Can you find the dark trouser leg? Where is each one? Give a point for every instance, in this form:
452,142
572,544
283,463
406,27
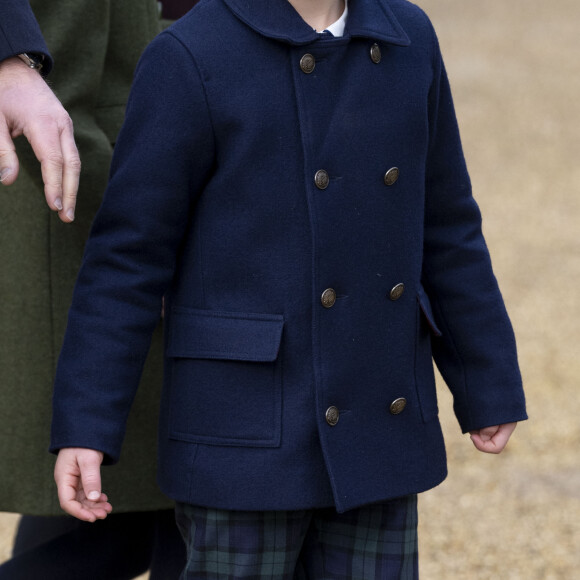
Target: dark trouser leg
117,548
377,542
228,545
169,554
36,530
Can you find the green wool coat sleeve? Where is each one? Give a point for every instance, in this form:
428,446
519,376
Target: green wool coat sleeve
95,46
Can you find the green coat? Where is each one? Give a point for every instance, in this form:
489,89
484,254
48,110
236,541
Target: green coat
96,46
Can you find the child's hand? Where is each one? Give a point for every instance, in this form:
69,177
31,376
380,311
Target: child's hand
78,477
492,439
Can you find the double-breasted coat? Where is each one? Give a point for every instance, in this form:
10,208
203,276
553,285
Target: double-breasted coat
95,46
302,202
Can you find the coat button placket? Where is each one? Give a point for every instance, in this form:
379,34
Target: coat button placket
332,415
321,179
328,298
397,291
307,63
375,53
391,176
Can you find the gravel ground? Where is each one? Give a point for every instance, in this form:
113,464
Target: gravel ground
514,68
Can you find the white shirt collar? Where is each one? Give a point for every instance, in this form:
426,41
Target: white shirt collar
337,28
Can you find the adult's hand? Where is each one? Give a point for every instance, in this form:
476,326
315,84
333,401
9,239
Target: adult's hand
78,478
28,107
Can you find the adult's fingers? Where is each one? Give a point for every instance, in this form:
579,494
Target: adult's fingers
8,158
71,172
43,134
29,107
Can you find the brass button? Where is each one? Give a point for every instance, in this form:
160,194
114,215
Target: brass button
376,53
391,176
328,298
321,179
307,63
332,416
398,406
397,292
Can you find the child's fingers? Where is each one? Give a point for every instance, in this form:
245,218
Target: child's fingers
488,433
77,475
492,439
89,462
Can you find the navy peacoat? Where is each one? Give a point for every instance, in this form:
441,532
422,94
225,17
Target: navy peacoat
303,204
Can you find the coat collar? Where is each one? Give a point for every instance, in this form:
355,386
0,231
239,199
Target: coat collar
277,19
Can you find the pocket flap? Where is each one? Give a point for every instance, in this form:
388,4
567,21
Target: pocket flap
425,305
224,335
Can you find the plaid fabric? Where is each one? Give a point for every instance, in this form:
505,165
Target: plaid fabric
377,542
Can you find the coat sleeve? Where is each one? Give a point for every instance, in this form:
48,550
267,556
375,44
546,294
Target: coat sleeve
19,32
162,158
477,353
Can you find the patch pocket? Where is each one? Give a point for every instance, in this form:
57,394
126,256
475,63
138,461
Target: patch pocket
225,377
424,373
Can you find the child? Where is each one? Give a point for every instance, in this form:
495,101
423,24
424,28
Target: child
300,199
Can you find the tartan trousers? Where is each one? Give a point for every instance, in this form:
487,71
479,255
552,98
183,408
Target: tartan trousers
375,542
